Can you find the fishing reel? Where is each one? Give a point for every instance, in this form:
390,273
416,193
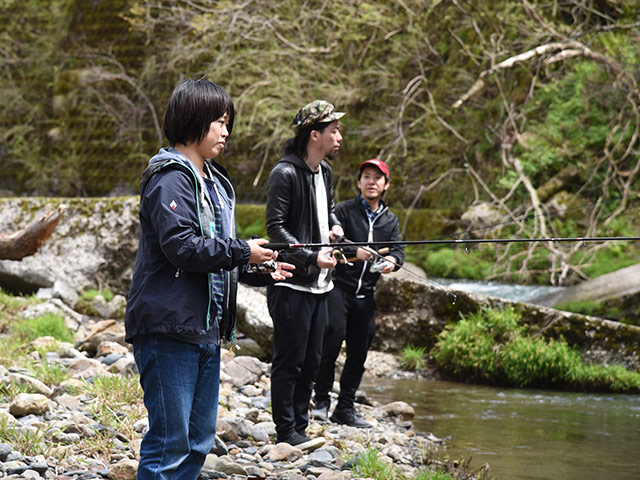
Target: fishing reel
269,266
340,257
378,265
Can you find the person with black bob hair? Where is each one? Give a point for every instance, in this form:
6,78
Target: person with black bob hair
182,299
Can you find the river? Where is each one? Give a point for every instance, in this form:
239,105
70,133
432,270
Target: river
524,434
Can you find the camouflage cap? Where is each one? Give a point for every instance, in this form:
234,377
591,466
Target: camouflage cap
315,112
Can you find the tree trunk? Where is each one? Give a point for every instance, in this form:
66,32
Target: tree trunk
25,242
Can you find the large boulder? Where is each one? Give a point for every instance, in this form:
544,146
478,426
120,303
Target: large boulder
94,244
254,319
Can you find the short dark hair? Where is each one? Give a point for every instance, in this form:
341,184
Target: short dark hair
298,144
193,105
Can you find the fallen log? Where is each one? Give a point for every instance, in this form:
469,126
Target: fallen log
25,242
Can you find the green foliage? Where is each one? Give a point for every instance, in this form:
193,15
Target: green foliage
466,348
453,263
413,358
90,294
429,475
85,301
587,307
251,221
46,325
85,124
368,464
25,440
490,346
117,401
10,389
51,374
10,305
10,351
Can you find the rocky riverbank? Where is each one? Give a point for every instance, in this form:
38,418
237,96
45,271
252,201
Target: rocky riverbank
54,430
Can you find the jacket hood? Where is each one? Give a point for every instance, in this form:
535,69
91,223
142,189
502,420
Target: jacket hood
163,156
296,162
170,153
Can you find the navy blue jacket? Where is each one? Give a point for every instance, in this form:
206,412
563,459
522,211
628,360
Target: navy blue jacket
170,290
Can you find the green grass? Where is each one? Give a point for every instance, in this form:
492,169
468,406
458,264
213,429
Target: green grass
413,358
491,347
48,325
26,441
429,475
51,374
453,263
8,391
84,304
117,401
368,464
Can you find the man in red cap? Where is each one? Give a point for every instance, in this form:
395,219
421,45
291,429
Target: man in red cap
352,307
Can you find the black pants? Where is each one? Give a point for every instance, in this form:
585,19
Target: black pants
353,319
299,322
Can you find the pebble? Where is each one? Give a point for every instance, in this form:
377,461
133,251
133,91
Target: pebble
244,446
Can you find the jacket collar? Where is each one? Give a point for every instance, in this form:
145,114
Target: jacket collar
299,163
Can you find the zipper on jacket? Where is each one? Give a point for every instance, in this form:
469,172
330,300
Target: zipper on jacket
198,203
226,305
369,239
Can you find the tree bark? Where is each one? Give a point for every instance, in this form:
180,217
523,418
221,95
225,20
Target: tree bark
25,242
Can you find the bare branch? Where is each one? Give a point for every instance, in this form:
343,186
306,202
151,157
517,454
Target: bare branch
25,242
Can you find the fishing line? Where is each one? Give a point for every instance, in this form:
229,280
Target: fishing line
468,241
396,264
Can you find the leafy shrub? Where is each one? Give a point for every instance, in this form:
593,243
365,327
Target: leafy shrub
466,348
413,358
490,346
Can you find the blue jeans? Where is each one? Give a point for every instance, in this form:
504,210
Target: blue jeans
181,386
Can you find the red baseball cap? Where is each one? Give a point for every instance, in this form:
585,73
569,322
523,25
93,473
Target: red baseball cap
374,162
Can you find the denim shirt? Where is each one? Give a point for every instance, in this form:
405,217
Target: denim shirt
367,208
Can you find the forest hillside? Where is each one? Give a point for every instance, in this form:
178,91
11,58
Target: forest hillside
528,110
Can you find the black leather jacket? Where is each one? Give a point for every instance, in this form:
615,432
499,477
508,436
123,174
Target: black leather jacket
292,215
358,279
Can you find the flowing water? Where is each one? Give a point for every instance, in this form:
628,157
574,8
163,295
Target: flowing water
524,434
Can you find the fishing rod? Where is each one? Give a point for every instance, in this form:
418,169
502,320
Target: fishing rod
455,241
379,255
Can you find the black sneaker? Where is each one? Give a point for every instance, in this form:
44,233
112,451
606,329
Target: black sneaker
321,411
294,439
349,418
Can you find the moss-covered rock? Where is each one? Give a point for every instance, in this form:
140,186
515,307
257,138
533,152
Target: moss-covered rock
419,316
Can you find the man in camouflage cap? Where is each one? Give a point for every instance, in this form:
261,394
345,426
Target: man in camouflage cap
318,111
300,209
